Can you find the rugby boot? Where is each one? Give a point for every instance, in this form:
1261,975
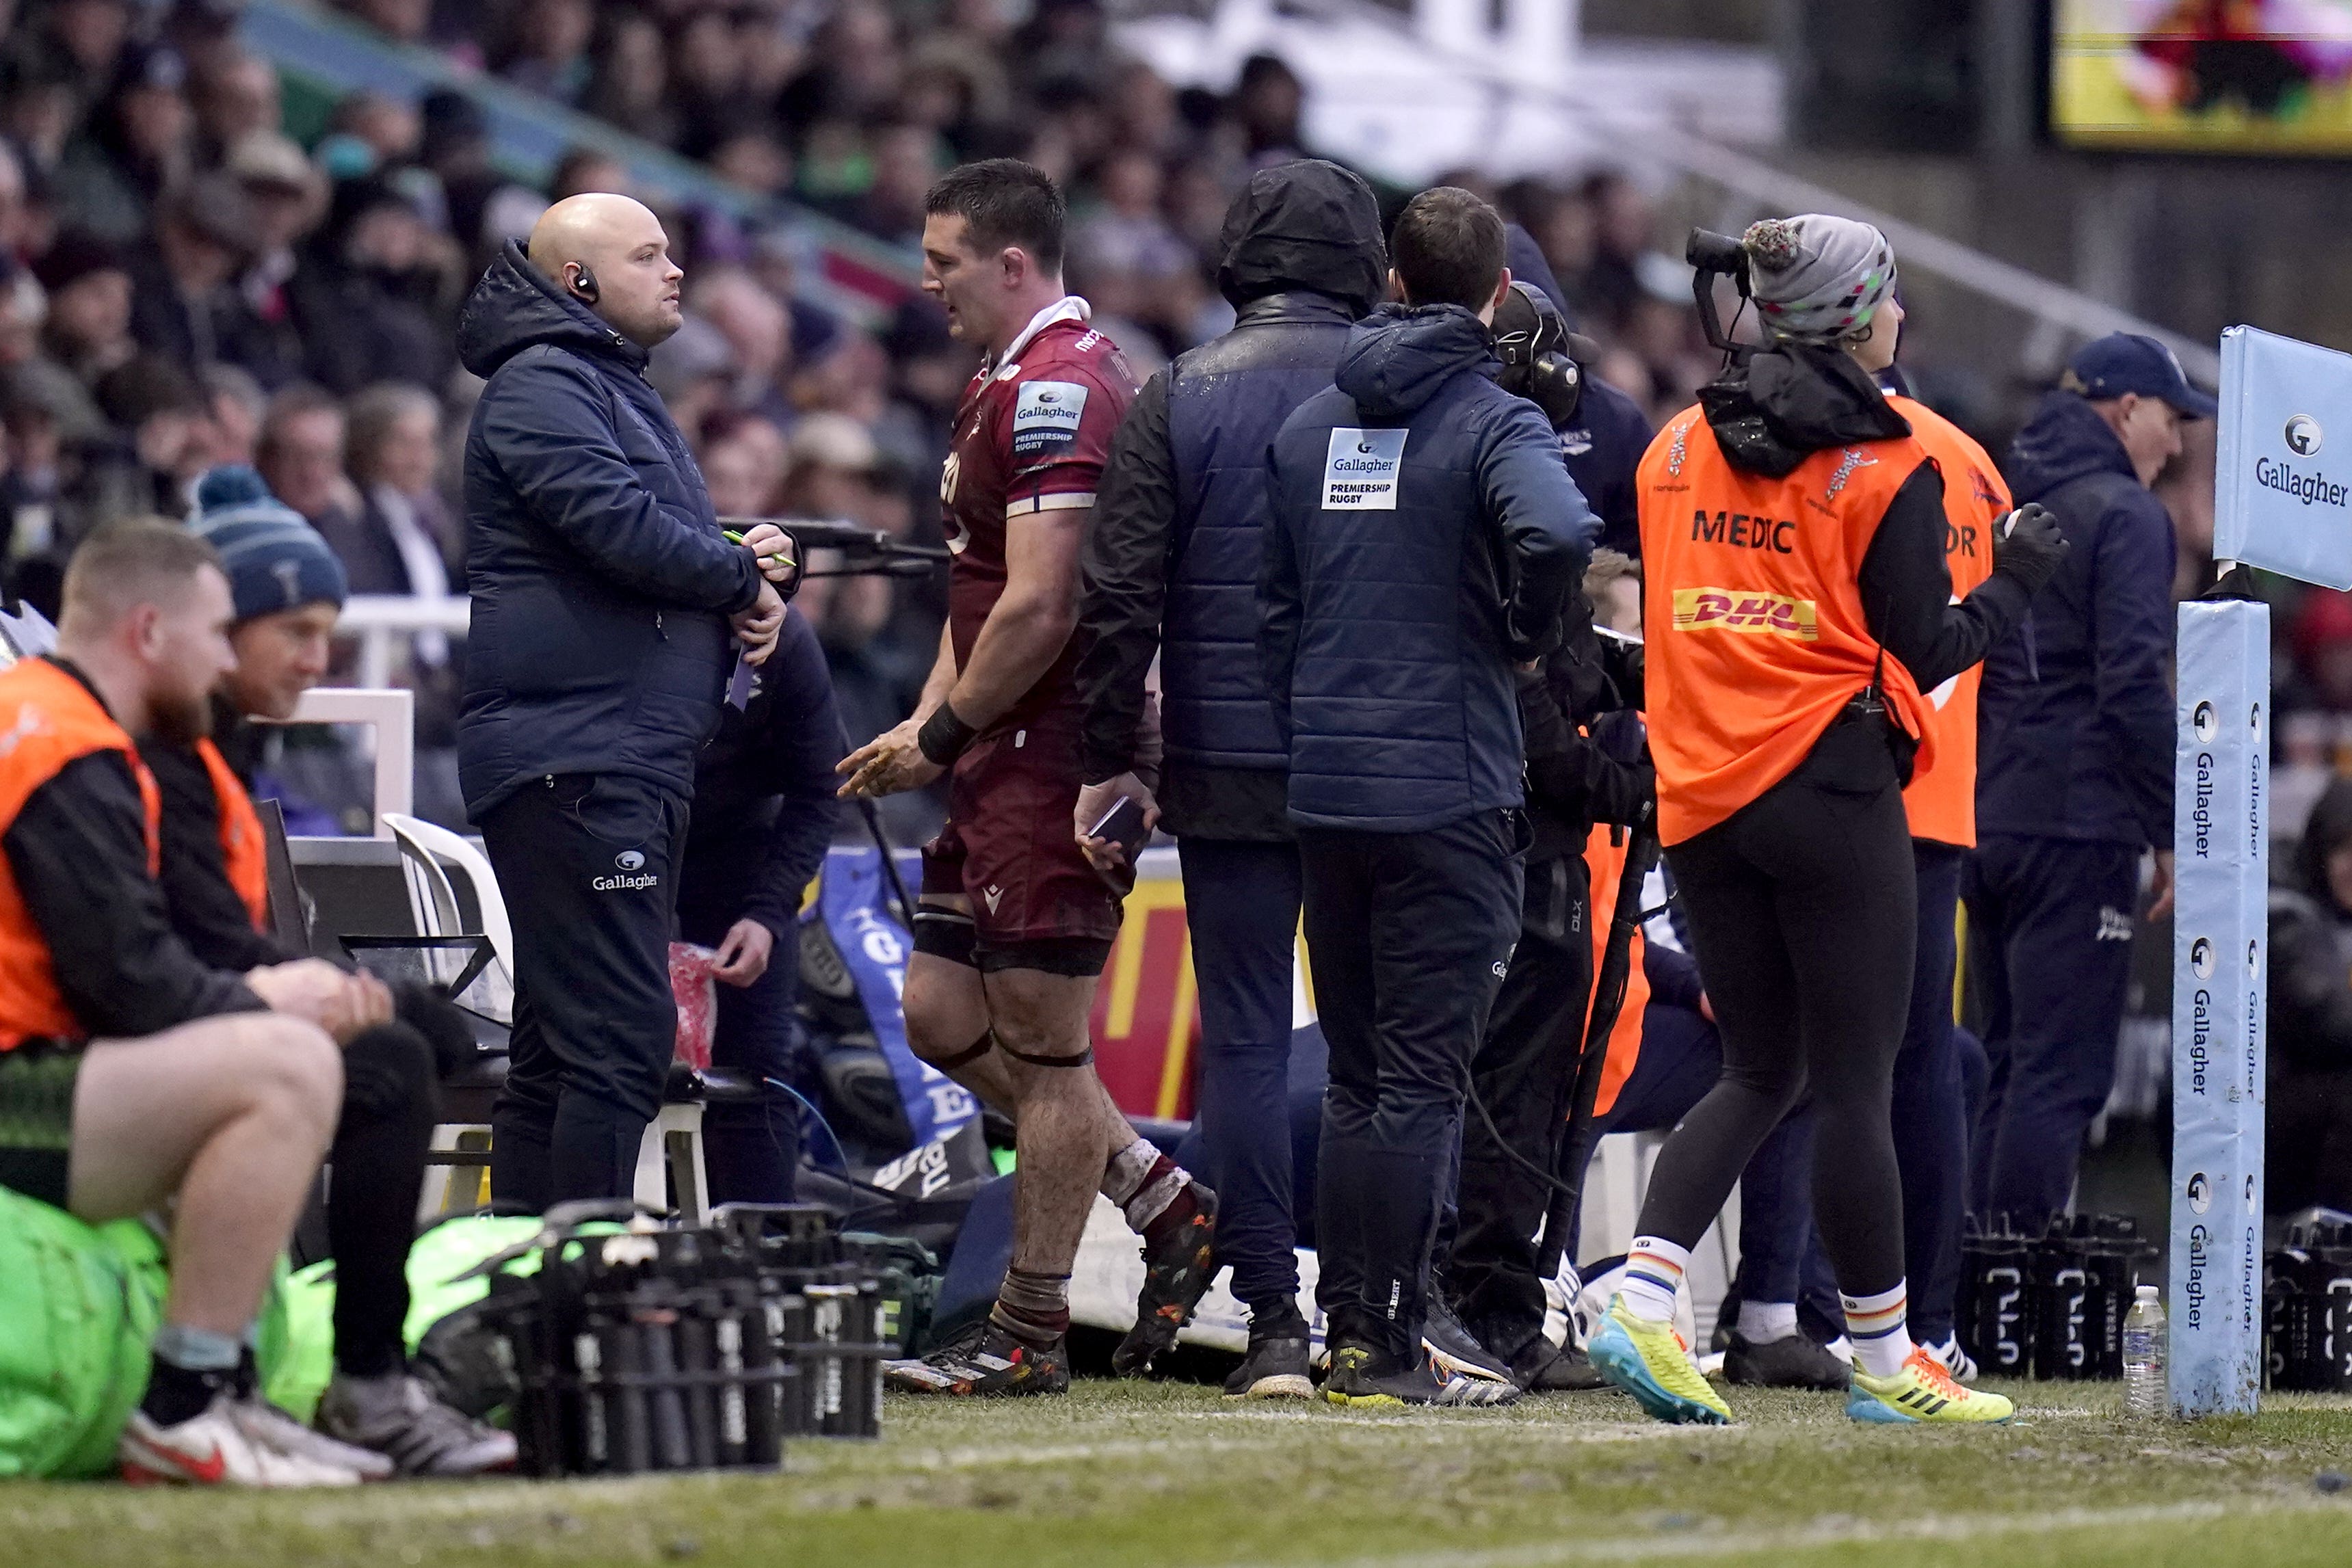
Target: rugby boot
1793,1361
396,1416
1448,1342
984,1359
1650,1361
1540,1366
1365,1378
1923,1392
1179,1263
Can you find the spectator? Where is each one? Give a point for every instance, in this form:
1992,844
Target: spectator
744,463
79,44
584,171
361,295
151,465
758,331
235,97
550,51
88,326
403,539
300,454
182,305
135,145
236,404
630,85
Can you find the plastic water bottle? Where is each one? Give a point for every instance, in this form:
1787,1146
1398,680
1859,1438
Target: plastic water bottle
2144,1347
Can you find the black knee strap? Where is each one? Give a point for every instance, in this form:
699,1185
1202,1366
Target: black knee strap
973,1052
1083,1059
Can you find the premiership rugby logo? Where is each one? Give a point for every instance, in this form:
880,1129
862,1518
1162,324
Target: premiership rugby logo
1724,610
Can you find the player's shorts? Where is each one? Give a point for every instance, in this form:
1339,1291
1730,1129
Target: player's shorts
1038,902
37,1095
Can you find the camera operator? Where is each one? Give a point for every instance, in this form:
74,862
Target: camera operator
1425,539
604,595
1526,1065
763,815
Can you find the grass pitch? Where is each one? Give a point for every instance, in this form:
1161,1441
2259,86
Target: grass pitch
1125,1474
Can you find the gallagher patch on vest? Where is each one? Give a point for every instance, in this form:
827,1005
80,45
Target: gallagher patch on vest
1725,610
1359,469
1741,531
1045,416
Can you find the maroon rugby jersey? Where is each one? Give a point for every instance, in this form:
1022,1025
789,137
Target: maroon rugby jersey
1031,436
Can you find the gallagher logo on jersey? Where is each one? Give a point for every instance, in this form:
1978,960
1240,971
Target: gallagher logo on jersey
1045,416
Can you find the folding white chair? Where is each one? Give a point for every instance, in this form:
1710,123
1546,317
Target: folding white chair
673,1142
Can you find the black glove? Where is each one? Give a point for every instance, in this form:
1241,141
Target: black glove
2029,545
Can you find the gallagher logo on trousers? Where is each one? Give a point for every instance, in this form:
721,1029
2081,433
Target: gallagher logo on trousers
628,861
1741,610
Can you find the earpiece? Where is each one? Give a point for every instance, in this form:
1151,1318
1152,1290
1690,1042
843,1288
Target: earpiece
584,285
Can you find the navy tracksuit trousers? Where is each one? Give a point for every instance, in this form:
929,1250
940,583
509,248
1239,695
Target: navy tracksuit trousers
2051,921
1241,904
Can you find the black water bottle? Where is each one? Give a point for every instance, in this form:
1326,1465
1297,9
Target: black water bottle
1996,1324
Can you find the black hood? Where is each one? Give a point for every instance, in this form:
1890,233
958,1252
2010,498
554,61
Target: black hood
1777,408
515,306
1396,358
1305,224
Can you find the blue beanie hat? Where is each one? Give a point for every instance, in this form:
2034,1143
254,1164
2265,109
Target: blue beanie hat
275,560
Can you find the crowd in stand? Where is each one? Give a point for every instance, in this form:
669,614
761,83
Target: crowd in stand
182,284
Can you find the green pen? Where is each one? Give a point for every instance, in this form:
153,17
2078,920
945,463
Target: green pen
735,538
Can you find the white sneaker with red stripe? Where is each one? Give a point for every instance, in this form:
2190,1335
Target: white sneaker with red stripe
217,1448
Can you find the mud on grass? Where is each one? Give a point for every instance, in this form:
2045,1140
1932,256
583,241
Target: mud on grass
1126,1476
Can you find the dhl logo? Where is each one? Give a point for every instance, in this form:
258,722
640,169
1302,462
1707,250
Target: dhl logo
1724,610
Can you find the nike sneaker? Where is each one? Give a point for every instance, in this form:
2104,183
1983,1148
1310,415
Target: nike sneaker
1179,1263
984,1359
1923,1392
1650,1361
396,1421
220,1447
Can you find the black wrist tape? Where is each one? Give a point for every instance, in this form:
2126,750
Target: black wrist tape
943,737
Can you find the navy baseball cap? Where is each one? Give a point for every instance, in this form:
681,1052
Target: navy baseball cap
2123,362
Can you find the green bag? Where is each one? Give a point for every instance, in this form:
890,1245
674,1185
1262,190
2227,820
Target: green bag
449,1347
78,1306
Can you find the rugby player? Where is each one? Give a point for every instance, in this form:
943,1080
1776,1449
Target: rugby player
1013,923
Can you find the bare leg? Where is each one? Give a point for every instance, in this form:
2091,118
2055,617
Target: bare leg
1059,1116
947,1009
947,1012
233,1113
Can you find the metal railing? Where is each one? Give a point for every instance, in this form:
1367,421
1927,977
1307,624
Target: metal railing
375,619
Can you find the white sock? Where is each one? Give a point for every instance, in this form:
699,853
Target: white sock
1654,1271
1881,1336
1127,1170
1761,1322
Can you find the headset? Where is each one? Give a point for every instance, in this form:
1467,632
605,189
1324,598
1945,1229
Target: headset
1535,344
584,285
